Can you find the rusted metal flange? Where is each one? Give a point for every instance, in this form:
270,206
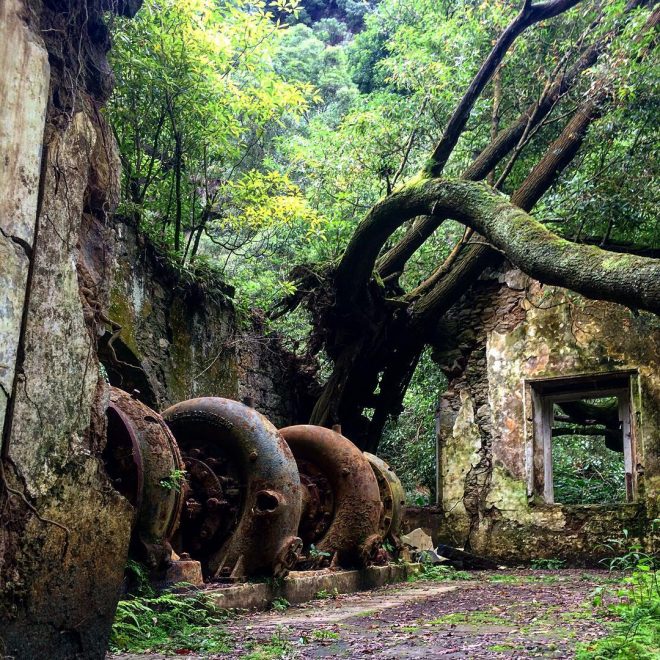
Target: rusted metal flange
143,461
392,496
244,498
341,499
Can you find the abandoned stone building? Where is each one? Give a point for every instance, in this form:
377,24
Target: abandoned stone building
514,353
80,295
511,350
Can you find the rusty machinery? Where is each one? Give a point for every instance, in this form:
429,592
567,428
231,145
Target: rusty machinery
392,496
247,496
243,498
143,462
341,499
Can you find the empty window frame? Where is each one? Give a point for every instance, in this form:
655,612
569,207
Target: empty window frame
583,450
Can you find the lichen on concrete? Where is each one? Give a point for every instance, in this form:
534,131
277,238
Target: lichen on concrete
63,529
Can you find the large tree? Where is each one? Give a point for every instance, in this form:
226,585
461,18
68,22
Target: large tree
370,326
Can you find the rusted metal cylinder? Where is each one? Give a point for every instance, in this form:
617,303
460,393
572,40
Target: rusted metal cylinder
392,496
144,463
244,497
342,504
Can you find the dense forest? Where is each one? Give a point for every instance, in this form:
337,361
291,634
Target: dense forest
316,156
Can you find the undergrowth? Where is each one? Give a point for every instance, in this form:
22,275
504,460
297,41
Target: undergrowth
278,646
635,606
168,623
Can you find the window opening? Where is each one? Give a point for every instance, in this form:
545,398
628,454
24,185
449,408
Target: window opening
587,452
583,441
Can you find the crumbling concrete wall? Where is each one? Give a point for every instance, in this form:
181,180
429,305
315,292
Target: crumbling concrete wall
506,332
176,339
63,529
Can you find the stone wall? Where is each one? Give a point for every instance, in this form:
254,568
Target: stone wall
63,529
507,332
174,339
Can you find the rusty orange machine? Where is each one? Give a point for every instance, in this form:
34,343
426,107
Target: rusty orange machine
212,480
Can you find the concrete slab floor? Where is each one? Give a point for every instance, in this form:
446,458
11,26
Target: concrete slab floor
498,614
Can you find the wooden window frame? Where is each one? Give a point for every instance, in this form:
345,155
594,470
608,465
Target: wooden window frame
542,394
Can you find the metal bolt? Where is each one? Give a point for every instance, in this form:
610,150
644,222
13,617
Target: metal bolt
213,503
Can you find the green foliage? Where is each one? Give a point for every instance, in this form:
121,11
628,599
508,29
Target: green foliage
409,442
277,647
315,553
168,623
585,471
174,480
325,594
331,31
324,635
249,145
196,98
438,573
138,579
635,606
280,604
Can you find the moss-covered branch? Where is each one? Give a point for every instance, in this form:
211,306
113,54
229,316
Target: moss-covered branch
596,273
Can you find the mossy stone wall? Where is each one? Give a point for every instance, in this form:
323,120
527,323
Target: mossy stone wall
505,332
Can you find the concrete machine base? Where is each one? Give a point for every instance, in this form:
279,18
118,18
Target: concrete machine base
302,586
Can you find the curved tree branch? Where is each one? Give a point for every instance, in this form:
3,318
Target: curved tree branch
623,278
510,138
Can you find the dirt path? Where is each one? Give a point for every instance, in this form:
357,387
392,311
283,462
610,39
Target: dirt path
499,614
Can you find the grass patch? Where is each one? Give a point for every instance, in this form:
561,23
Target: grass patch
472,617
523,579
505,648
438,573
324,635
277,647
506,579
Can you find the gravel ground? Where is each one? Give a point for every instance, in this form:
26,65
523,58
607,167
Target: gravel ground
497,614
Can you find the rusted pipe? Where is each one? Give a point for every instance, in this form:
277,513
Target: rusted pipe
342,504
244,500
